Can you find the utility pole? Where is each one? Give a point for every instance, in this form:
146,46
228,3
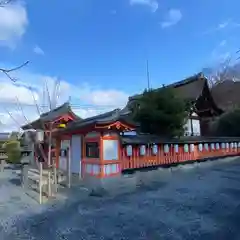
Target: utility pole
148,77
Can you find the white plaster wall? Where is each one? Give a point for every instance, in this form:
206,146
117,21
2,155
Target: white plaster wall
76,152
188,128
110,149
63,160
196,127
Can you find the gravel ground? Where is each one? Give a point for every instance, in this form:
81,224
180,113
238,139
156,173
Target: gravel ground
196,202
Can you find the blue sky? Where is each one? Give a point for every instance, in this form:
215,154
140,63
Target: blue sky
99,48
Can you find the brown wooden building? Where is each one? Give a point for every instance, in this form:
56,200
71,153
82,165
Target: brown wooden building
204,108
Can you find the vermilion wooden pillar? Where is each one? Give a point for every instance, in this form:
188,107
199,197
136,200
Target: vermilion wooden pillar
57,151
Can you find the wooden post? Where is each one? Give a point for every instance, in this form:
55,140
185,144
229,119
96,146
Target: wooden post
40,184
49,159
55,176
69,166
2,164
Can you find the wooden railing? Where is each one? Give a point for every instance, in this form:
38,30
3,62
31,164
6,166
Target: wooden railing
136,156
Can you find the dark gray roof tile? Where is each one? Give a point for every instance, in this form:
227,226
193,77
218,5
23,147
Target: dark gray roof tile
51,115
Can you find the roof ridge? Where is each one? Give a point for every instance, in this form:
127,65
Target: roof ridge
180,83
103,115
187,80
55,109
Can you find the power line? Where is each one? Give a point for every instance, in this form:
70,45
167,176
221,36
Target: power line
74,106
45,108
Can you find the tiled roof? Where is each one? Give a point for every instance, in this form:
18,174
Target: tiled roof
105,118
51,115
151,139
190,87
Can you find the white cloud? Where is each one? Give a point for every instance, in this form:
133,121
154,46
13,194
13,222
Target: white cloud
38,50
86,100
153,4
220,52
227,24
13,23
223,43
11,92
172,18
223,24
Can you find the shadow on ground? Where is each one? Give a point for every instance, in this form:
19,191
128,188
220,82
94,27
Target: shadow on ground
15,181
194,203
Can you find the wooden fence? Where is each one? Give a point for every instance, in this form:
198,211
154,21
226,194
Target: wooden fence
140,156
136,153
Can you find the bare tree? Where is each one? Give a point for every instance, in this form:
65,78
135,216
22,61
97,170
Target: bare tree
3,3
228,69
52,99
8,72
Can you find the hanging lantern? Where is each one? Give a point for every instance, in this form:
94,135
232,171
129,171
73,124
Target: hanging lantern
62,125
39,136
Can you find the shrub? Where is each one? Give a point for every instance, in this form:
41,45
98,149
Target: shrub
228,124
13,151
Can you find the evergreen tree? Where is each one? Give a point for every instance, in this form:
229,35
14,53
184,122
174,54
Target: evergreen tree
161,112
227,125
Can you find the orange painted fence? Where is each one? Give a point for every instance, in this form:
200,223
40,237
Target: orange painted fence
140,156
136,156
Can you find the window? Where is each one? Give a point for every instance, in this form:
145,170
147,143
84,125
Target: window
92,150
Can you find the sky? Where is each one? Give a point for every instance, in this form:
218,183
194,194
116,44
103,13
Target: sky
99,49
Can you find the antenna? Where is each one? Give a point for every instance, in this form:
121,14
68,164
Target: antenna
148,77
48,96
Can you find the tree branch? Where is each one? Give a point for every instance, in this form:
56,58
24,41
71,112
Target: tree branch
8,71
3,3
